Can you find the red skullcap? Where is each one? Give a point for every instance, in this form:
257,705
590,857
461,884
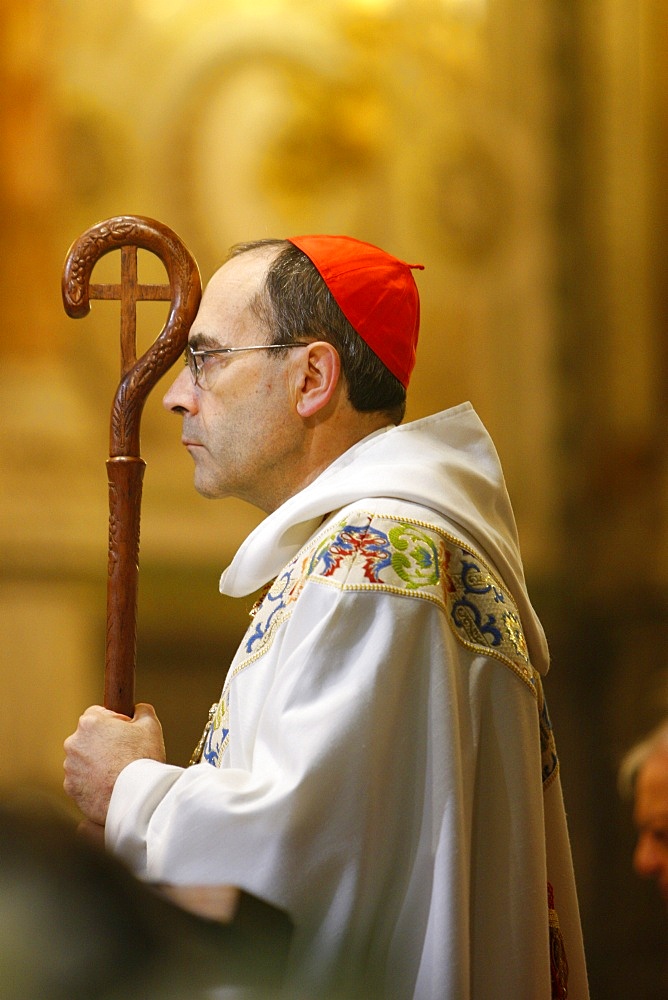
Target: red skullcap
375,292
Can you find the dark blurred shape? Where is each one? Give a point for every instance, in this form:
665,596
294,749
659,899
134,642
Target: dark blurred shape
75,924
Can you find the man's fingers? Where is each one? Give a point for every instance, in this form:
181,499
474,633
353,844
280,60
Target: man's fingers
104,743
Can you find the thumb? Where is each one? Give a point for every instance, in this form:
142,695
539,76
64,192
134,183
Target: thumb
144,712
149,733
145,718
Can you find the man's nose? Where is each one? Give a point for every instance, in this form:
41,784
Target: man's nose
181,397
646,859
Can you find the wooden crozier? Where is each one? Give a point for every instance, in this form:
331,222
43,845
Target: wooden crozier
255,949
125,467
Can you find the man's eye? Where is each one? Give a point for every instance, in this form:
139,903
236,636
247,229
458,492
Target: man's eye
219,358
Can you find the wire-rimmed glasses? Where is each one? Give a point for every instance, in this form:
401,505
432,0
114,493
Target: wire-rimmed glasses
196,359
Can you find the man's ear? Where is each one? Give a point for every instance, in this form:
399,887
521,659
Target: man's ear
319,374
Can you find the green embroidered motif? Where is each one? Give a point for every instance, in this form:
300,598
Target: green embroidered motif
409,558
373,552
415,556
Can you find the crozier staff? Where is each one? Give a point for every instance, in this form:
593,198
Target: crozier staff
381,763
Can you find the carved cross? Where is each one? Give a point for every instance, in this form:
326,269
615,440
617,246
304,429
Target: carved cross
129,292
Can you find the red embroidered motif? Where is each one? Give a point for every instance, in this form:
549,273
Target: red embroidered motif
365,542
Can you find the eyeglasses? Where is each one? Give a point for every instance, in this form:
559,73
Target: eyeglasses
196,360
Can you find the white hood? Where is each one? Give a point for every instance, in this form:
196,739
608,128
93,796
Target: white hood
446,462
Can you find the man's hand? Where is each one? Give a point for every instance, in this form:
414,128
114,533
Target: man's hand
102,746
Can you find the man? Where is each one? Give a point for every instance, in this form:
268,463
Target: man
644,776
380,764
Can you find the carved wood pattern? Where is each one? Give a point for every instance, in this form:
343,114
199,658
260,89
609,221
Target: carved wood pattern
125,491
125,466
185,292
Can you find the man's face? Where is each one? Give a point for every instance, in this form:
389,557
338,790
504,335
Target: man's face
240,429
651,818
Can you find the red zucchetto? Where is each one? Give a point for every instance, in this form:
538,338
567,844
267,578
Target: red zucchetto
375,291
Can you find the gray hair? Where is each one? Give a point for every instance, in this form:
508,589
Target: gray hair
635,759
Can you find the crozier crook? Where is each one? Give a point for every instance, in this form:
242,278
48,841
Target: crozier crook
125,467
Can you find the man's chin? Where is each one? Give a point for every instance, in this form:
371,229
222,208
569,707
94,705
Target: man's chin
208,493
210,490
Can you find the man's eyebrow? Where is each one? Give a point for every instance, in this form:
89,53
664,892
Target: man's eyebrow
203,341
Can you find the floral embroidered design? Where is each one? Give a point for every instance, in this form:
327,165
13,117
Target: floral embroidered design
404,557
359,542
484,614
275,606
415,557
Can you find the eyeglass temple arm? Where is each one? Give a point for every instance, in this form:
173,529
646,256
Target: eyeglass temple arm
125,467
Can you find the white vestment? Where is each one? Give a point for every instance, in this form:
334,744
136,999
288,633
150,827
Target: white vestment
381,764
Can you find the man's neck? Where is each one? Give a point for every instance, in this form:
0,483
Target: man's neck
321,449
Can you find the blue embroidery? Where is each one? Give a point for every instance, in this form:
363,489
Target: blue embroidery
476,582
411,558
547,744
275,603
216,740
211,754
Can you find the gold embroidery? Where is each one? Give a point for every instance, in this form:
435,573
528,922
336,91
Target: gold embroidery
196,756
410,558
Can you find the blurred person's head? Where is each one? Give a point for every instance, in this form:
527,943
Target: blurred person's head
644,777
74,923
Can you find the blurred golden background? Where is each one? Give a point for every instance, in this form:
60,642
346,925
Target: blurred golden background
517,149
